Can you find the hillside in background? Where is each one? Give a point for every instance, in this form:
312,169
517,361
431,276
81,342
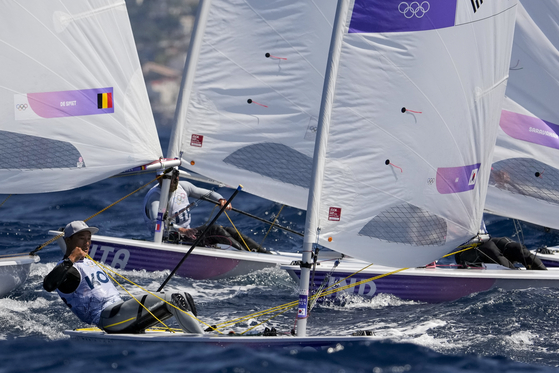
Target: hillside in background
162,31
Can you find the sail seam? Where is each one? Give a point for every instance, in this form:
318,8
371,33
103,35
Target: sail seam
483,93
67,19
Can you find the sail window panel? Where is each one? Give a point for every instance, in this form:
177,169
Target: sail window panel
528,177
25,152
276,161
407,224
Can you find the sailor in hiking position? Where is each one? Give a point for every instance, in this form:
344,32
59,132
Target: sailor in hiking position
503,251
88,292
179,210
500,250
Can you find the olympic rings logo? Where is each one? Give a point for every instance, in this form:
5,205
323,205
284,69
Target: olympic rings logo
21,107
414,9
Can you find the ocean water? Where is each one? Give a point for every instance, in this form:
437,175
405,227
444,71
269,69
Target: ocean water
495,331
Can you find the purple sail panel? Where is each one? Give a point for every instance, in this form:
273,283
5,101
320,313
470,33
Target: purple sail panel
457,179
72,103
530,129
371,16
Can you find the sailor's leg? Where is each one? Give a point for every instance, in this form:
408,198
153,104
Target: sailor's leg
519,253
184,311
218,234
490,253
252,245
533,262
131,317
468,257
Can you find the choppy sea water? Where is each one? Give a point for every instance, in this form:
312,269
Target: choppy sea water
495,331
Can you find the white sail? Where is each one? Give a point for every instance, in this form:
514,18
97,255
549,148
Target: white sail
250,114
524,181
74,107
402,187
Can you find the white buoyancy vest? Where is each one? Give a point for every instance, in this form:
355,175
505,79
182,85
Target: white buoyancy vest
178,200
94,293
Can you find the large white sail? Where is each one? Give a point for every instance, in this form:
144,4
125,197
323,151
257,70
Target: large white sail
250,114
74,107
415,110
524,181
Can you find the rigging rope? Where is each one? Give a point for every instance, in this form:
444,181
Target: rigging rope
236,230
40,247
123,198
518,231
277,309
102,267
5,200
12,255
285,307
105,268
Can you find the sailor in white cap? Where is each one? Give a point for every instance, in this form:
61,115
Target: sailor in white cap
90,294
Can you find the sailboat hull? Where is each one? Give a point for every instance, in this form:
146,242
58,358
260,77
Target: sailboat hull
550,260
550,263
14,270
431,285
150,336
202,264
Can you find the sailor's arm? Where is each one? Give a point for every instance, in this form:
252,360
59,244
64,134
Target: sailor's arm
152,209
58,274
64,276
196,192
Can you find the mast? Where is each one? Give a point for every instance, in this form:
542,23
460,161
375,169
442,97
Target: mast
182,106
188,76
163,201
311,223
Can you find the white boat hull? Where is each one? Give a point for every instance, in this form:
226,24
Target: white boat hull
150,336
550,260
14,270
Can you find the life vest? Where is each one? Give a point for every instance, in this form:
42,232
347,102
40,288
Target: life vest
178,200
94,293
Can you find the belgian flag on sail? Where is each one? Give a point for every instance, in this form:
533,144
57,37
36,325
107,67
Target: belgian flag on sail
105,100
